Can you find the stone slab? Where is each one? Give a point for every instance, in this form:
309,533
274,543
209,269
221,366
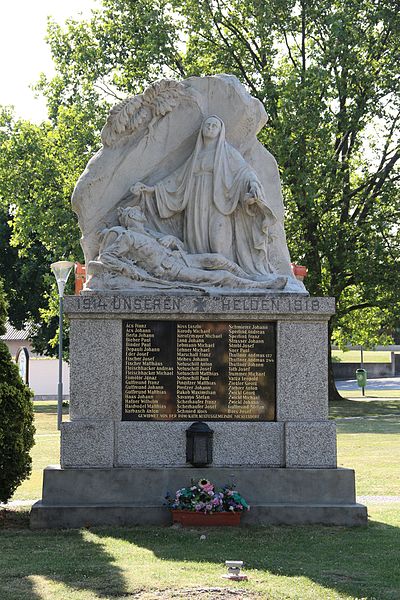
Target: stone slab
246,443
96,376
255,444
67,517
302,374
240,305
96,373
348,515
147,486
90,497
310,445
87,443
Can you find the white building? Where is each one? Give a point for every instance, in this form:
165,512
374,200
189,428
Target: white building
42,371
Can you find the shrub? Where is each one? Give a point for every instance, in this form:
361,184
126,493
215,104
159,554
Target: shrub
16,420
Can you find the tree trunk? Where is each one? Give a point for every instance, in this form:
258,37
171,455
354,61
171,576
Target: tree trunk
333,394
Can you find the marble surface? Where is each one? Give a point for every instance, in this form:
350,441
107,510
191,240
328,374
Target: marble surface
227,306
95,372
87,443
310,445
302,383
249,443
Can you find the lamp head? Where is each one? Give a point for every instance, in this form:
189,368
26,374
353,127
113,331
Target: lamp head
61,270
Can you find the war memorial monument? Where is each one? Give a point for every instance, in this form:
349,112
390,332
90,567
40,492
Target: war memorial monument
194,350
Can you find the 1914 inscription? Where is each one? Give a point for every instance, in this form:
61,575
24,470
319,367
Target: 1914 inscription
199,370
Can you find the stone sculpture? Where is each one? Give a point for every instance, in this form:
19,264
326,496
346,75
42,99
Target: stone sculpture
132,252
206,181
222,201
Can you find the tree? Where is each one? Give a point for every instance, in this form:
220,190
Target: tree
16,419
326,72
39,165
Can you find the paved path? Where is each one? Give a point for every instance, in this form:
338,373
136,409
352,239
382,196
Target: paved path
17,503
385,383
368,417
361,499
378,499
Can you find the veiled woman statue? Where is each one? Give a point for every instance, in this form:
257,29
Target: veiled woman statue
214,203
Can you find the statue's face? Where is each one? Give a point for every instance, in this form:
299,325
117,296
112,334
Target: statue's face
134,219
211,127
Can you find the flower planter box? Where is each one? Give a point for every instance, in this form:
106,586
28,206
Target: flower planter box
187,518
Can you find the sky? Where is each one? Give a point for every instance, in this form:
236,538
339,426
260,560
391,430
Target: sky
25,54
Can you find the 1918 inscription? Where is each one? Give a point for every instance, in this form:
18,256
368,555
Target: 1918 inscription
198,370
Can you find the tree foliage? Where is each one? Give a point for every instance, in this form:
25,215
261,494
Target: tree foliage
326,72
16,419
39,165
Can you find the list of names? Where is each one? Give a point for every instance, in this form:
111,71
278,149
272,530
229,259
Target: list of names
199,370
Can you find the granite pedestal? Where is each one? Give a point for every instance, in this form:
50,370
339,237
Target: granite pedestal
115,471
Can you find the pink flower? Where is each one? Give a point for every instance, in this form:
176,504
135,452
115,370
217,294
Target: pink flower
206,485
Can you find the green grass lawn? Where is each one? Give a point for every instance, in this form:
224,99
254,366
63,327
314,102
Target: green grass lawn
370,443
371,446
282,562
370,356
148,563
46,450
364,407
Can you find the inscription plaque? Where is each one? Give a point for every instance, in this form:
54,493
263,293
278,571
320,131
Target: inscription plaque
188,370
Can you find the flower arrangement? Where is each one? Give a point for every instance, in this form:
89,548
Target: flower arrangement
204,497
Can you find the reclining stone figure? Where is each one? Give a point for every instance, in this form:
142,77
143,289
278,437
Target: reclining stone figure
132,252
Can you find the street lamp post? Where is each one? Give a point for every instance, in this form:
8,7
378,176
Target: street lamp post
61,270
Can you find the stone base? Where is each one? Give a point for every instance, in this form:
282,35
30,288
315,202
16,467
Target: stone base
118,496
68,517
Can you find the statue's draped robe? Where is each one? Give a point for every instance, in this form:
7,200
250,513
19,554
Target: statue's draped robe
204,204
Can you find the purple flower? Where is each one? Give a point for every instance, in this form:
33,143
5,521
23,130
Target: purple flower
204,497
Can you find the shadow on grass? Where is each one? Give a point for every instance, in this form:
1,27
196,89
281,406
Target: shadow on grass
345,560
360,562
49,408
29,560
13,519
374,425
358,408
